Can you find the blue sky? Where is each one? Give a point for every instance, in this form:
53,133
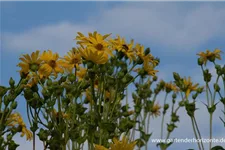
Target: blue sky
175,32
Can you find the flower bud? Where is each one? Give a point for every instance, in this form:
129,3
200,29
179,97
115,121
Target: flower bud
176,76
6,100
90,64
11,82
216,87
71,77
200,90
155,78
14,105
174,118
174,95
147,51
207,75
139,61
194,96
223,100
171,127
200,61
212,108
9,137
181,103
12,145
43,134
218,69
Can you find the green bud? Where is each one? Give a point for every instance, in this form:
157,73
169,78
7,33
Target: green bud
212,109
181,103
166,106
194,96
216,87
9,137
207,75
171,127
11,82
174,118
176,76
34,127
190,108
139,61
43,134
142,72
155,78
174,95
90,64
36,96
6,100
12,145
28,94
71,77
147,51
14,105
200,61
223,100
200,90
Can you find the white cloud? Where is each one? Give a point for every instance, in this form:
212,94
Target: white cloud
169,25
58,37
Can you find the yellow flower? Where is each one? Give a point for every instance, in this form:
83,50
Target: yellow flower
120,45
71,60
95,42
51,64
93,55
81,72
33,79
156,110
99,147
118,145
29,62
211,56
171,87
139,49
16,119
188,86
150,59
149,68
56,114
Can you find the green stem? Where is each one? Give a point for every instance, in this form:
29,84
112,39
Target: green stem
193,126
162,122
196,125
210,130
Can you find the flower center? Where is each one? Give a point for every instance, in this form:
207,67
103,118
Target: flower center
125,47
33,67
99,47
52,63
74,61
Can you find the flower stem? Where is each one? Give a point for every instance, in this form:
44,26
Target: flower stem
196,136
